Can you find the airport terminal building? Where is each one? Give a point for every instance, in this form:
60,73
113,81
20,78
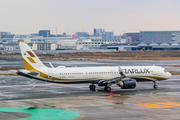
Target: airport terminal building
143,46
159,37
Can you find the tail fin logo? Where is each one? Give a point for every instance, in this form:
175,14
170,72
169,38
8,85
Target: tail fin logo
30,53
31,60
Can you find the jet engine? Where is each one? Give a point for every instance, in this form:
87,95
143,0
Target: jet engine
127,83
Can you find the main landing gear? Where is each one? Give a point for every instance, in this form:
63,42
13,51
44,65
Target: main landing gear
155,86
108,89
92,87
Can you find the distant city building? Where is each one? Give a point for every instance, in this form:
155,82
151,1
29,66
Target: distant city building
22,36
34,34
42,46
10,40
160,37
96,31
81,34
117,37
11,46
44,33
102,31
95,43
134,37
64,35
6,35
66,44
58,35
0,35
108,35
99,32
60,42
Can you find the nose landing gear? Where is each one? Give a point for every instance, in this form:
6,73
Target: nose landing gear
155,86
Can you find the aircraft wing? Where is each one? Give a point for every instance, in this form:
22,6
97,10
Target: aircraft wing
108,82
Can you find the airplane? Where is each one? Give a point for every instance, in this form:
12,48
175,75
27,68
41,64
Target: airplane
125,77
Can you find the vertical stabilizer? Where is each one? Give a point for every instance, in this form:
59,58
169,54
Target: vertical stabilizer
31,61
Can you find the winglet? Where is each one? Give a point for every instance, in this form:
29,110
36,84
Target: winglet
51,65
121,73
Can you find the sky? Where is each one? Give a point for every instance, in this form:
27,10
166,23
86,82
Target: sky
70,16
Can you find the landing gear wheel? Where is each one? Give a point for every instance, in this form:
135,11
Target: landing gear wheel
92,87
155,86
108,89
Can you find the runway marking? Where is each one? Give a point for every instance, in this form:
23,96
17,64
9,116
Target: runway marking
151,94
152,105
160,104
166,104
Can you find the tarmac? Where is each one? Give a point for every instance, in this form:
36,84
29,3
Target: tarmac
143,102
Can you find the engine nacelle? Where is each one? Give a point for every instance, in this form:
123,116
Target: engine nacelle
127,83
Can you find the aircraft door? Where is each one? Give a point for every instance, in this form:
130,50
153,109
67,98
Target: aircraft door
159,72
50,74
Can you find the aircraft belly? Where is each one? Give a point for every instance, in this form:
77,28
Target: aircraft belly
147,78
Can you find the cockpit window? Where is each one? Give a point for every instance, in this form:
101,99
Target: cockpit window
165,71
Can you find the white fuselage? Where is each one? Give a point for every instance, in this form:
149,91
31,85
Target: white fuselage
89,74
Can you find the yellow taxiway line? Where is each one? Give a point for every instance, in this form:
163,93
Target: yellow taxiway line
165,104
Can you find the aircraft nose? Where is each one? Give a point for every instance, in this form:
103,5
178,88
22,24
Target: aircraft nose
169,75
